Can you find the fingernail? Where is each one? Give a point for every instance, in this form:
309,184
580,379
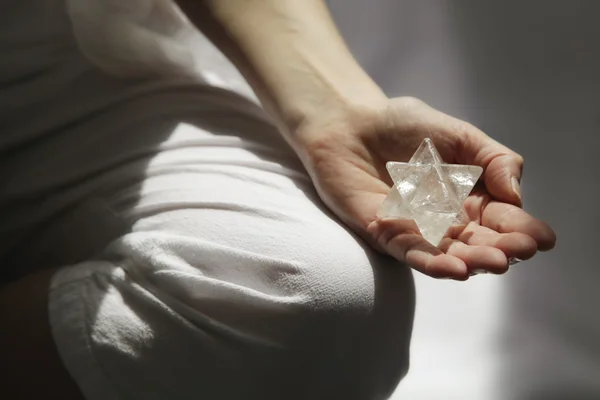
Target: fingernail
516,187
478,272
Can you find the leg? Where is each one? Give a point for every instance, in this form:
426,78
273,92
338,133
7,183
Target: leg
233,282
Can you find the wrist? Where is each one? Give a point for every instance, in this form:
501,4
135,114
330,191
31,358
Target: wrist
316,134
328,101
294,58
335,116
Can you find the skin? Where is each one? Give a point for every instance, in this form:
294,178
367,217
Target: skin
344,129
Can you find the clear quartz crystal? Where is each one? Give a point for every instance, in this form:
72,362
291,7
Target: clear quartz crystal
429,192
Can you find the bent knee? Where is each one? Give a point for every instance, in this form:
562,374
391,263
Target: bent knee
203,316
325,307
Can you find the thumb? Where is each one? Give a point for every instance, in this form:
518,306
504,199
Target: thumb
502,167
502,178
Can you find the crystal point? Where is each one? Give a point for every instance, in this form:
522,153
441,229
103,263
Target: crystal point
428,191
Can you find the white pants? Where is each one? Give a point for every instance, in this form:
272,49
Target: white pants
205,266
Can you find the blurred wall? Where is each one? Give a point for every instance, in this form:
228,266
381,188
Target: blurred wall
528,74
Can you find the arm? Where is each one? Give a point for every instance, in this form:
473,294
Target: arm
344,129
291,54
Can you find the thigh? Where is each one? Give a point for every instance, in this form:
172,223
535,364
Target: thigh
232,280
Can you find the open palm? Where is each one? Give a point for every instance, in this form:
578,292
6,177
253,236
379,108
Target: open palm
347,163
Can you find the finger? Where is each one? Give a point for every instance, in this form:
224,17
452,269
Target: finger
513,245
506,218
502,178
476,257
503,167
400,239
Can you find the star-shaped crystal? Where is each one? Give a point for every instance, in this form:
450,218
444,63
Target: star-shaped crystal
429,192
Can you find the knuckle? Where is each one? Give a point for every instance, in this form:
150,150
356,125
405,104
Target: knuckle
506,221
464,130
410,102
519,159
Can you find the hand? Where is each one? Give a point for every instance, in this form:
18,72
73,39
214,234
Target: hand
346,159
305,77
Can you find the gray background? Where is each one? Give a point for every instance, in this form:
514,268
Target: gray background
527,73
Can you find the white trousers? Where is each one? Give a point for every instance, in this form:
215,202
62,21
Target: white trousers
202,264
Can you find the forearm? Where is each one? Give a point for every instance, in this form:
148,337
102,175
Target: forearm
292,55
